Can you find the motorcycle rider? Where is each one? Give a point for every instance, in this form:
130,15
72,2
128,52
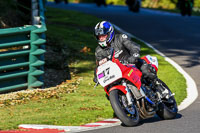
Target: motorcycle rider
126,50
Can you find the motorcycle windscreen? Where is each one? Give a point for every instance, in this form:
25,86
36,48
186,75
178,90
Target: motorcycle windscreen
108,73
153,60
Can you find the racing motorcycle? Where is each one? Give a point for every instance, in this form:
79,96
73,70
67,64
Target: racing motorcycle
133,97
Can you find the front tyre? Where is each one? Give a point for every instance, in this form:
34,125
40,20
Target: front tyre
168,108
128,115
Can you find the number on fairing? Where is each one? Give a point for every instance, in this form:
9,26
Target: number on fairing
108,73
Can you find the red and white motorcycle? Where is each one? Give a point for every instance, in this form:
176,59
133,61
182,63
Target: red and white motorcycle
132,97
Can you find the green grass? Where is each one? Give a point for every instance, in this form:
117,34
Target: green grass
87,104
73,109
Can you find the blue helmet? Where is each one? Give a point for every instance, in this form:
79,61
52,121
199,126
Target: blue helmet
104,28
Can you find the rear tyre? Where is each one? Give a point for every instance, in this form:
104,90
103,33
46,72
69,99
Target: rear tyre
127,117
168,108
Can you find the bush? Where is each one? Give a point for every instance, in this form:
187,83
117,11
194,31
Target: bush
116,2
164,4
197,3
15,13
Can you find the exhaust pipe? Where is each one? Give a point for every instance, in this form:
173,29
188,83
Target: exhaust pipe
143,112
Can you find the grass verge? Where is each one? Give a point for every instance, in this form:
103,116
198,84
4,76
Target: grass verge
85,104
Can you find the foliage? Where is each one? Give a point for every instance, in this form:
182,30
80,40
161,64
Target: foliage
170,5
22,97
197,4
86,1
11,16
75,1
165,4
116,2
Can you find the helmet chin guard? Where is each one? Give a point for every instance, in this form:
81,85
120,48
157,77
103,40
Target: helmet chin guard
103,44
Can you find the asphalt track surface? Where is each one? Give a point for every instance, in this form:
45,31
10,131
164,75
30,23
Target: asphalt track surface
177,37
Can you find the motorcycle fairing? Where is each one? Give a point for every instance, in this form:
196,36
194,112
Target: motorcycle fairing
119,87
108,72
151,60
130,72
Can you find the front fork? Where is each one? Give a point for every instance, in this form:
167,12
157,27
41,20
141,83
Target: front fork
128,94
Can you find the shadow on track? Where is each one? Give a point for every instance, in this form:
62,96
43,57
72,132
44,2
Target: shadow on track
153,120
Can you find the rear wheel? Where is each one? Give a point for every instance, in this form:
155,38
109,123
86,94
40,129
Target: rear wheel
168,108
127,114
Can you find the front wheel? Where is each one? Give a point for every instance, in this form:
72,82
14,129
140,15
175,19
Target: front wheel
127,114
168,108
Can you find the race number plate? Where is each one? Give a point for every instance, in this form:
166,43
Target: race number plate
108,73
